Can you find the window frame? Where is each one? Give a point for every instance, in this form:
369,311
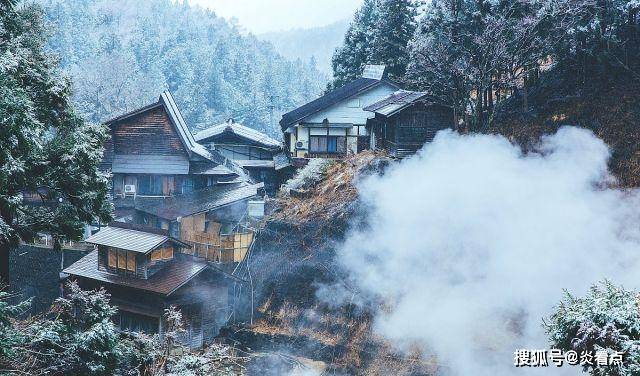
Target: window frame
335,141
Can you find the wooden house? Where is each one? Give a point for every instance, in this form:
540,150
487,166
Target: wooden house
405,120
152,154
163,178
145,271
335,124
259,154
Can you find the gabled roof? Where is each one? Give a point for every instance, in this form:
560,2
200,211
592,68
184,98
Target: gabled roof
166,100
166,281
397,101
194,149
239,130
352,88
199,201
129,239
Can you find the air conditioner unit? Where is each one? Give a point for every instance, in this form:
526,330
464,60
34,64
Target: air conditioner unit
299,145
129,189
255,208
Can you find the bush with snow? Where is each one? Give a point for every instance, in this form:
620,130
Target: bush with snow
307,176
606,319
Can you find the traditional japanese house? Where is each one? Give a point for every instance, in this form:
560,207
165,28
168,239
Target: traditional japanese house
152,153
146,271
405,120
259,154
163,178
335,124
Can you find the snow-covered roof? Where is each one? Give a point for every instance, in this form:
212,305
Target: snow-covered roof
239,130
396,101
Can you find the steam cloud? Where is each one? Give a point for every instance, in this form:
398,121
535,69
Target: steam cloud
472,241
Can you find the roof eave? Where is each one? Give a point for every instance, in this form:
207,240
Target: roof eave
132,113
284,126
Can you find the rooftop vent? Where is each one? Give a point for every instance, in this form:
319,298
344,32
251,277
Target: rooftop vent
375,72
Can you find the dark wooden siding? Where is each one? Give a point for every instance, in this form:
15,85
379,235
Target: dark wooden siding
150,132
107,156
419,124
407,131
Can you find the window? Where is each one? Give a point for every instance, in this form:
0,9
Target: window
327,144
118,183
162,254
150,185
187,185
137,323
121,260
113,263
131,262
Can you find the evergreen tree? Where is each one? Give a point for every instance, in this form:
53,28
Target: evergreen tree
46,149
122,54
605,320
394,28
379,34
350,58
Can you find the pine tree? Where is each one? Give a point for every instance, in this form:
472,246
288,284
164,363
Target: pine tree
45,148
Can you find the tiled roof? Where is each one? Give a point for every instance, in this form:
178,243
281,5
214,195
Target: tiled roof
166,281
199,201
239,130
352,88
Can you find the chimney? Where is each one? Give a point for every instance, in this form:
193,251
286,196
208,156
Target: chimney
375,72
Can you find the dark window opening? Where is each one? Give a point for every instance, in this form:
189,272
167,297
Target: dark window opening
133,322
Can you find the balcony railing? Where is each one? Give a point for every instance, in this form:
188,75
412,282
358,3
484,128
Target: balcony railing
225,249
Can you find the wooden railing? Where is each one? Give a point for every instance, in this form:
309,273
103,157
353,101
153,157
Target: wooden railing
230,248
46,241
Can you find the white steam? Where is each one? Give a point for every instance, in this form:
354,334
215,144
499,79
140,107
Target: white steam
471,243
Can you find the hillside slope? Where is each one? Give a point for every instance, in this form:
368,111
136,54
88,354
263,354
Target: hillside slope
294,261
610,108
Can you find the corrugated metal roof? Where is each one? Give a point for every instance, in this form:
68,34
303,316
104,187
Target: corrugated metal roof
166,281
395,102
239,130
199,201
150,164
352,88
256,163
130,240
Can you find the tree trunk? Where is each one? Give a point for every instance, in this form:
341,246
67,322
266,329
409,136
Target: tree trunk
5,249
525,98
